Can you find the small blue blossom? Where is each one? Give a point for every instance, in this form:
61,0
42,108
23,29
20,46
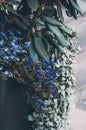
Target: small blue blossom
44,67
11,75
10,32
17,59
56,62
23,51
13,41
6,49
2,52
1,42
12,57
6,73
14,53
54,94
43,61
3,34
51,62
48,74
6,57
51,78
5,61
19,32
41,80
53,88
1,67
35,98
30,59
53,75
39,104
48,70
27,44
38,71
49,83
15,47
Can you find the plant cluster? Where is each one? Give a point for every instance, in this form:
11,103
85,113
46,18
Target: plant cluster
38,50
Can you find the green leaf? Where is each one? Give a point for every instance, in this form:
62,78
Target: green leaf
13,2
66,30
75,5
59,35
32,51
37,20
33,4
19,23
40,48
11,10
52,21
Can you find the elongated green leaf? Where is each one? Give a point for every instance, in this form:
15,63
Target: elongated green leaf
13,2
60,37
32,51
39,21
75,5
33,4
40,48
66,30
52,21
25,21
11,10
19,23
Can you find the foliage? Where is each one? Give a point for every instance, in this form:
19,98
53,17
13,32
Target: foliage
38,49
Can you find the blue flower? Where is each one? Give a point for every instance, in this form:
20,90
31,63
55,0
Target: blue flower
30,59
11,33
1,67
44,67
51,78
49,83
54,94
6,49
38,71
49,70
43,61
18,32
27,44
35,98
51,62
53,75
17,48
13,41
39,104
41,80
10,75
1,42
3,34
14,53
17,59
48,74
6,73
53,88
2,52
12,57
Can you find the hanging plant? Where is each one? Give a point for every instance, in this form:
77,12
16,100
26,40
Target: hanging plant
38,50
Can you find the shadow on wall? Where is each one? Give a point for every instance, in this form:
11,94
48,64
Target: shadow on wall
13,107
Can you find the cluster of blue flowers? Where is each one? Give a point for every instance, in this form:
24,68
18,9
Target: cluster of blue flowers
12,49
46,78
